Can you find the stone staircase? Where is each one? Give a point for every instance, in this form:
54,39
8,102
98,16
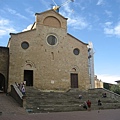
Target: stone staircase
38,101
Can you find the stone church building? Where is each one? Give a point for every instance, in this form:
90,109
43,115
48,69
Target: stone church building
45,57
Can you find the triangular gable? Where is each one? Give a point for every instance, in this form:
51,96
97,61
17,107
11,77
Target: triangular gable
76,39
52,11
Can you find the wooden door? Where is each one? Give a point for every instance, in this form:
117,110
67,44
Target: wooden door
74,80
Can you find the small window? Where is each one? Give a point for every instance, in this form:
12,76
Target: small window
76,51
25,45
52,40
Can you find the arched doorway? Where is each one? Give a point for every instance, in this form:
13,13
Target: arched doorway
2,83
28,77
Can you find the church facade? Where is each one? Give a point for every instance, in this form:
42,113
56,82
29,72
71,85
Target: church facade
46,56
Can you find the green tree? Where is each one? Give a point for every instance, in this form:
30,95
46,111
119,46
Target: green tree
115,88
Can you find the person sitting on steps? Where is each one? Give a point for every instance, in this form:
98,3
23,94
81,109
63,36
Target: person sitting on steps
99,102
104,95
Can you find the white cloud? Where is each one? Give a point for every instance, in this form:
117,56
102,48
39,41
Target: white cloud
73,19
28,27
2,32
46,4
108,23
117,30
77,23
109,13
100,2
112,30
67,10
4,22
5,27
109,78
108,31
28,10
11,11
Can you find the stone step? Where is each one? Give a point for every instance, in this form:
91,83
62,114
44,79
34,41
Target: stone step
38,101
62,108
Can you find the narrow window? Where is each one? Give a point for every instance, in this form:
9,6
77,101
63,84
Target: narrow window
52,55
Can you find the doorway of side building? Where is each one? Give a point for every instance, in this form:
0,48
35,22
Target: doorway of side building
28,77
74,80
2,83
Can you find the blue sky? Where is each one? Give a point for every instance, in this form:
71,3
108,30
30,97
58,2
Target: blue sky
96,21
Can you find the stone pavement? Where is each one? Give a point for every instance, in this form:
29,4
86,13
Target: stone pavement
11,111
8,106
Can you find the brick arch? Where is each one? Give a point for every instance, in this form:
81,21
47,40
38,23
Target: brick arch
74,69
29,67
52,21
2,82
29,64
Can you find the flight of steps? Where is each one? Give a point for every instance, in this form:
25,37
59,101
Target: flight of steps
37,101
112,101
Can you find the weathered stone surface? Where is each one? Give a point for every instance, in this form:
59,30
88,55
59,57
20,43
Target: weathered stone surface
52,65
4,57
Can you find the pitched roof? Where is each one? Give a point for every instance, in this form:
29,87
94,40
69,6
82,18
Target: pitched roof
76,39
118,81
49,11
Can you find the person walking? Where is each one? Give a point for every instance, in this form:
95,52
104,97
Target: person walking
85,105
23,90
89,105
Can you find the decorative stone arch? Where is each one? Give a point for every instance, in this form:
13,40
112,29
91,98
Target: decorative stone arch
28,73
29,65
74,69
74,76
52,21
2,82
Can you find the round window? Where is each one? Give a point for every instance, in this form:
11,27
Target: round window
52,40
76,51
25,45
